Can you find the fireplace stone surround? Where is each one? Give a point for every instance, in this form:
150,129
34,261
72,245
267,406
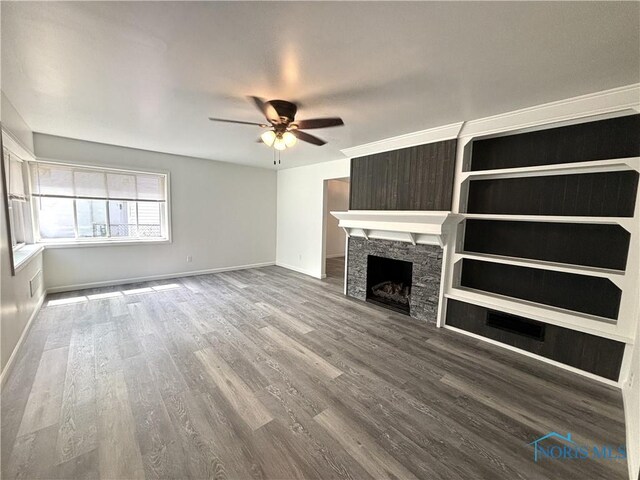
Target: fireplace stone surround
427,270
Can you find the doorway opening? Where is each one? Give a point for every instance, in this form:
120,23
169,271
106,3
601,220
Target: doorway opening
336,199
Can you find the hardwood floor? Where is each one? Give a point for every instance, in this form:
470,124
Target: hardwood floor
267,373
334,268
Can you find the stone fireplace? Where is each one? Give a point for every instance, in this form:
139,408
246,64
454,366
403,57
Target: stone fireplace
418,267
394,258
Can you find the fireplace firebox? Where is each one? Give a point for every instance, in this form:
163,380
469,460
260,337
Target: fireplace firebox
389,283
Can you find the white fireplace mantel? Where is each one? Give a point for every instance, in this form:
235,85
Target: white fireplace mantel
416,227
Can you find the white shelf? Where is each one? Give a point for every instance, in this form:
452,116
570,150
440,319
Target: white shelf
594,325
598,166
624,222
611,274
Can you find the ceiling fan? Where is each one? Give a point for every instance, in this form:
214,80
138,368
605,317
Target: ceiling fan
284,131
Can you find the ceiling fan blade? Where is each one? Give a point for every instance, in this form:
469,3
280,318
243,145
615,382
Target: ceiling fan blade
236,121
320,123
269,112
305,137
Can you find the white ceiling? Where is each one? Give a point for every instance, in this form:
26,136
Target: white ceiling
147,75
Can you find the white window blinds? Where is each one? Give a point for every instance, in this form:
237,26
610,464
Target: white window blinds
54,180
15,179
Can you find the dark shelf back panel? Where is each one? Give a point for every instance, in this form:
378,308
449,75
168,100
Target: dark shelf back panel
607,194
579,293
604,246
414,178
601,140
590,353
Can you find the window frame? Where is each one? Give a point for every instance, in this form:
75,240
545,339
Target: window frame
18,219
165,213
20,253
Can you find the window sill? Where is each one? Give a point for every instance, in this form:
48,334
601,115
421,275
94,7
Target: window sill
24,255
110,243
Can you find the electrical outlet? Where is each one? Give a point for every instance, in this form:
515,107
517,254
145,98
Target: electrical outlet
189,259
631,379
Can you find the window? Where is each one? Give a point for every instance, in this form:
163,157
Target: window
16,198
88,204
18,230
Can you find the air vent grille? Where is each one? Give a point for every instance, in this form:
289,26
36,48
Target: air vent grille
35,284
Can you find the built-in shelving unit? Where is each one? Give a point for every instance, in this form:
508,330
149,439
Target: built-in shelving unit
550,233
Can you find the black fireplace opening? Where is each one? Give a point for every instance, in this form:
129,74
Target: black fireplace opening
389,283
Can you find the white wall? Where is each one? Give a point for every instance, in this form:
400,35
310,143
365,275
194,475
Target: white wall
16,303
337,200
223,216
301,215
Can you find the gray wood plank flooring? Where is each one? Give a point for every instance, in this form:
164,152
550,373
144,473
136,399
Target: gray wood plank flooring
267,373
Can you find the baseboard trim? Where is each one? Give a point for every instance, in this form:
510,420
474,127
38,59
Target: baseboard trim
299,270
164,276
7,368
569,368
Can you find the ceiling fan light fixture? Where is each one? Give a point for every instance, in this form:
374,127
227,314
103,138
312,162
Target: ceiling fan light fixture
283,129
279,143
289,139
268,137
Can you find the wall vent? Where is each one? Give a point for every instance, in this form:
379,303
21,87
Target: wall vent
35,284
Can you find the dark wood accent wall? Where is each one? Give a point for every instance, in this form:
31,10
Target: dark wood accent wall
580,293
601,140
594,245
590,353
414,178
609,194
